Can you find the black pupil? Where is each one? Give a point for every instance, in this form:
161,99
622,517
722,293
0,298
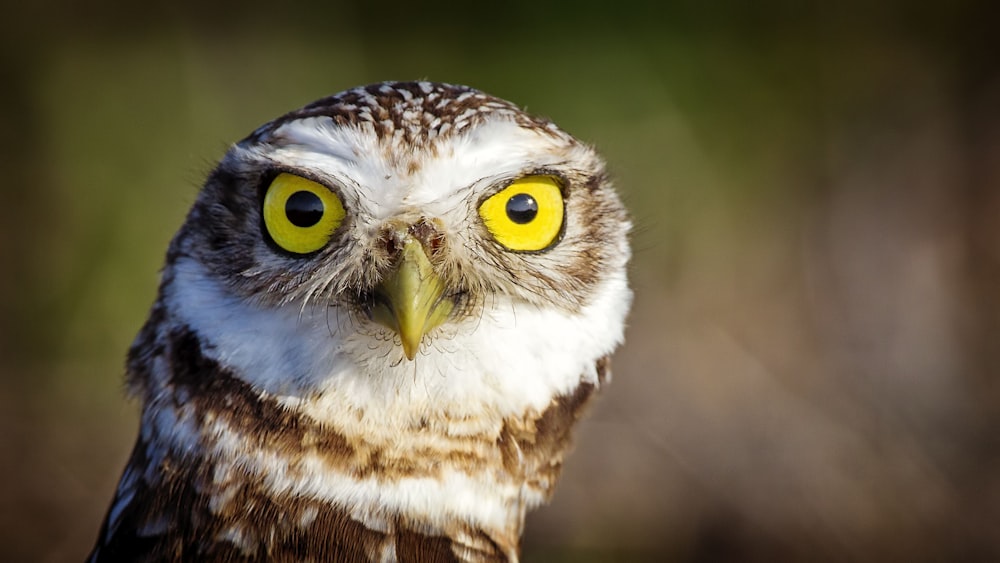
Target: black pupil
304,209
522,208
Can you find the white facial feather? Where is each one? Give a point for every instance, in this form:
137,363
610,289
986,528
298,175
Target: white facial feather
508,361
442,184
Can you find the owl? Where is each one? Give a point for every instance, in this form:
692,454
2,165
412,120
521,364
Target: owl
374,334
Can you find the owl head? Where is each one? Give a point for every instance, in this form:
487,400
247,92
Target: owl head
409,247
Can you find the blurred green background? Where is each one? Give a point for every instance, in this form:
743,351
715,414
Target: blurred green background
812,364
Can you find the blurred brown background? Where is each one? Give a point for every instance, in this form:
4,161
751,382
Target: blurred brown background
812,365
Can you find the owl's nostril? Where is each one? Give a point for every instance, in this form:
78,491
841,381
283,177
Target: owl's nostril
435,244
427,232
430,236
391,240
390,245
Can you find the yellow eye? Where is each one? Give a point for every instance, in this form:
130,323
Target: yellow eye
301,215
526,215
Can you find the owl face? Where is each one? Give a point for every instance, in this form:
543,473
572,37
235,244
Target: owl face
373,245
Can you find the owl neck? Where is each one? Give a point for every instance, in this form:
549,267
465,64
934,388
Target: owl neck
224,462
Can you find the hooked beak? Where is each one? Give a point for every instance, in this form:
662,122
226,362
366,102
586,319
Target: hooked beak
410,300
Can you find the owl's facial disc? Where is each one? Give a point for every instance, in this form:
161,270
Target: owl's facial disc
411,300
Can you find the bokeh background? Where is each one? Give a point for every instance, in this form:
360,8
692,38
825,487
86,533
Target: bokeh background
812,364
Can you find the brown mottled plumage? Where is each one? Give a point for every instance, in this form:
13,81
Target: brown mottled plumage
293,409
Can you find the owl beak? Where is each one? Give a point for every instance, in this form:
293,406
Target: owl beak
410,299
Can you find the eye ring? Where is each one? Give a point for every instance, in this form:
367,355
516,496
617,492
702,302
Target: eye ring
527,215
300,215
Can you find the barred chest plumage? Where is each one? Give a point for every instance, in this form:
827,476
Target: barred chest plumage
374,334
